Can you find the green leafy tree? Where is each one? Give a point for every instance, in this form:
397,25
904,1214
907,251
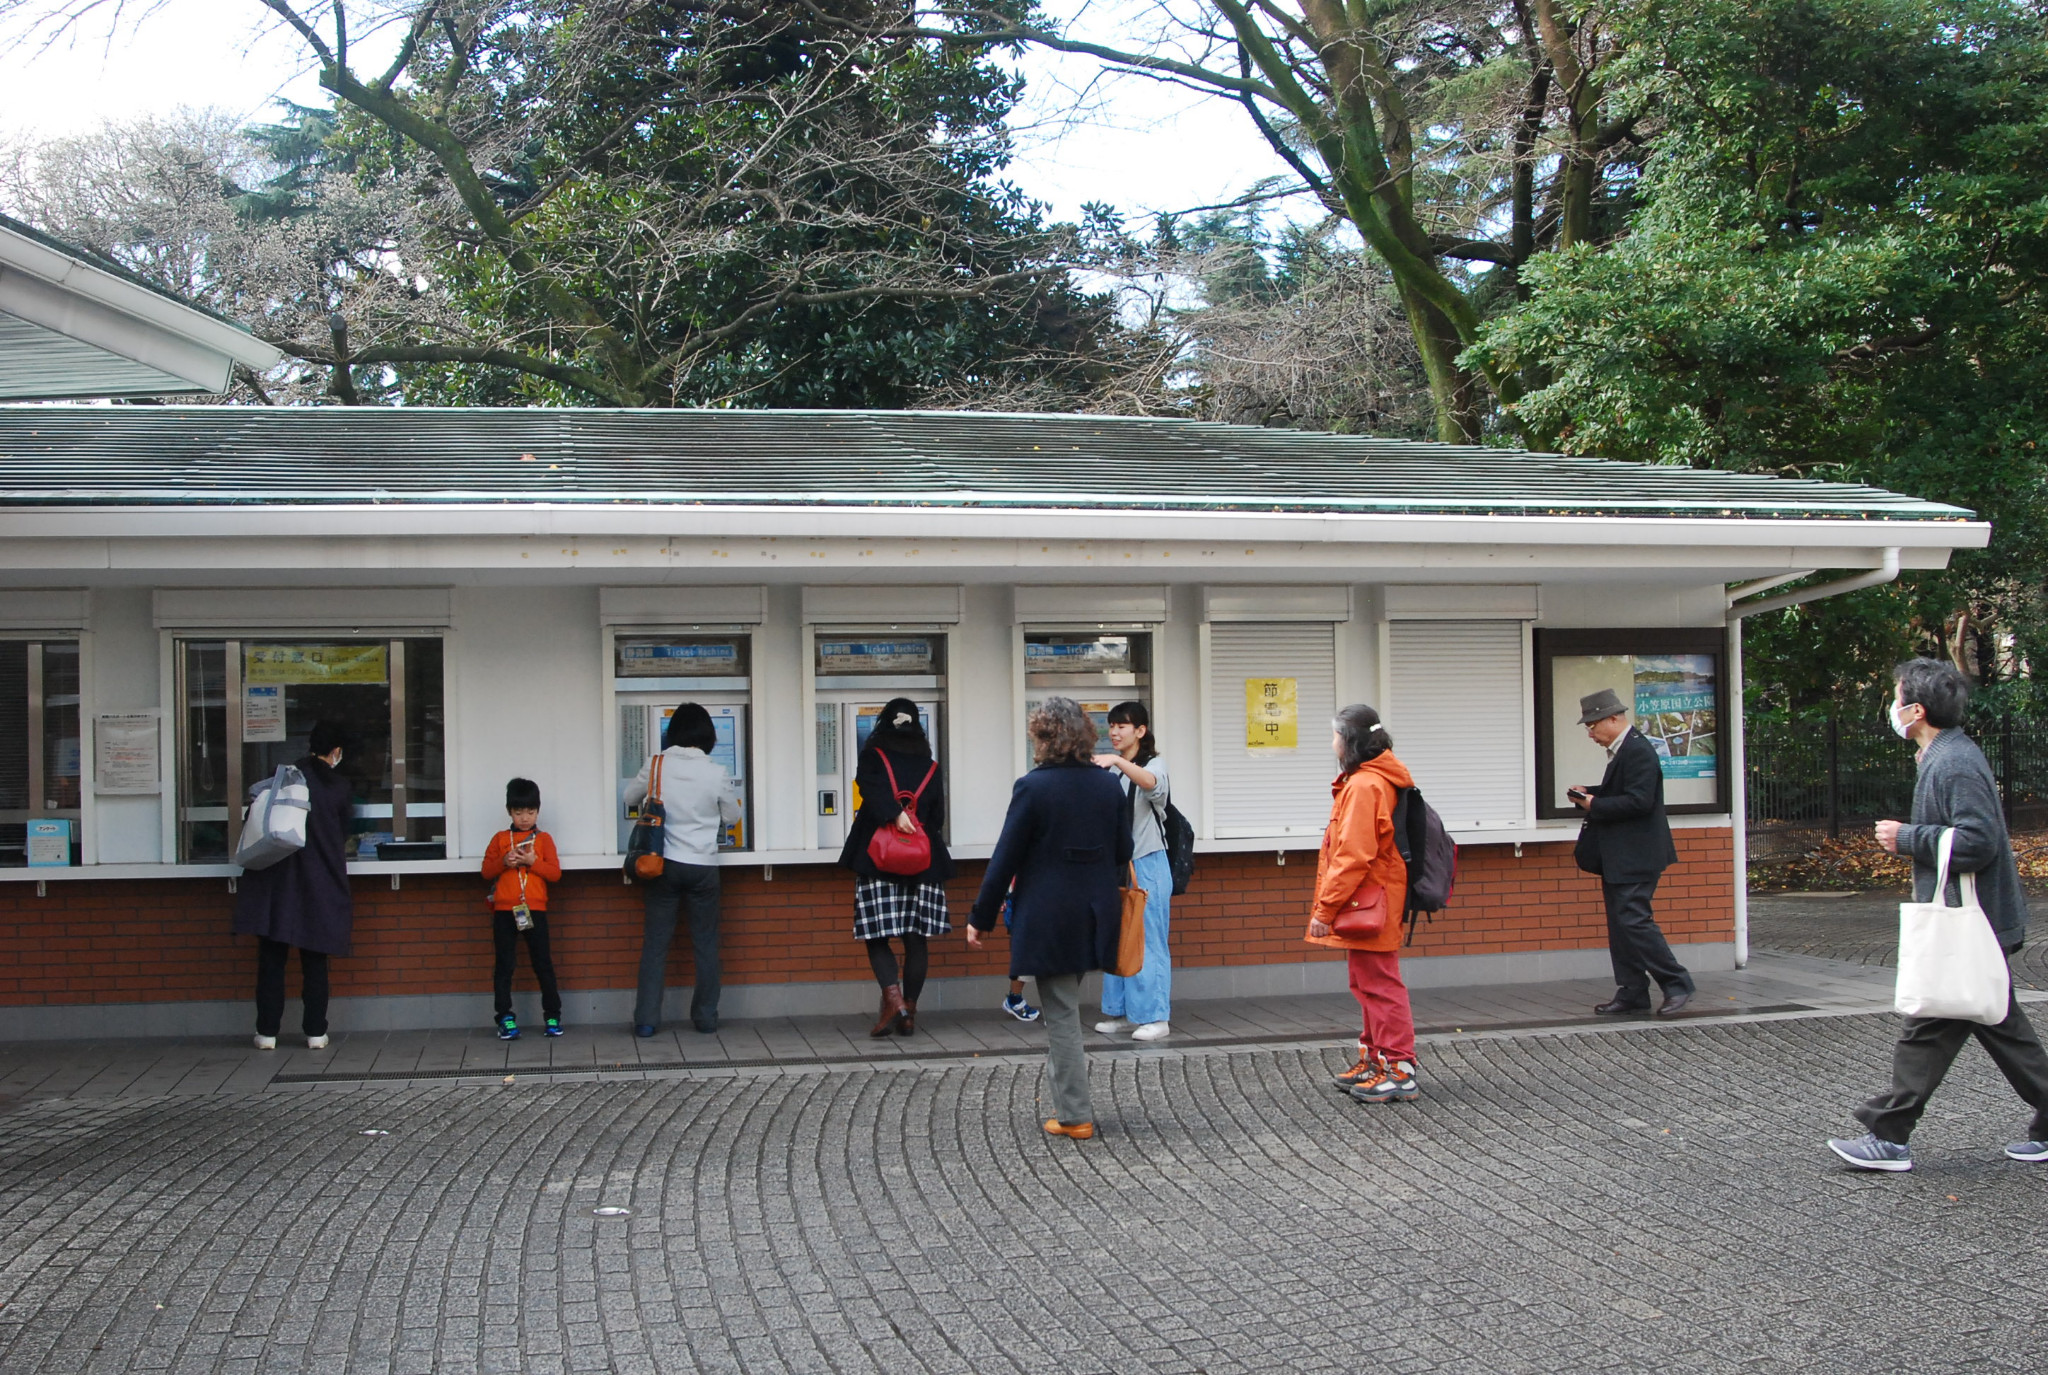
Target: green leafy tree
1840,270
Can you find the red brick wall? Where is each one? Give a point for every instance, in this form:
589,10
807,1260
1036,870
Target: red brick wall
166,940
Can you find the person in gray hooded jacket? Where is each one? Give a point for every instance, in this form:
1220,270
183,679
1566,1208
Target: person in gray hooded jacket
1954,790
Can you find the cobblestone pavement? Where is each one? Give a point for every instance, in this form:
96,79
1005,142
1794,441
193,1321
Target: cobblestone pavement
1863,928
1621,1200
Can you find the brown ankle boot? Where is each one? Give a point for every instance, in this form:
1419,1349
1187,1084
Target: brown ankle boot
907,1023
892,1008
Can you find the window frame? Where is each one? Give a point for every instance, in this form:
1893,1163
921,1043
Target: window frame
1552,645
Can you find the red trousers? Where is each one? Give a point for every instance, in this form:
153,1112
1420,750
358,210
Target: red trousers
1389,1028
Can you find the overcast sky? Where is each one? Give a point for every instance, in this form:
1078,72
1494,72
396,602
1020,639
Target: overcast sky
1127,141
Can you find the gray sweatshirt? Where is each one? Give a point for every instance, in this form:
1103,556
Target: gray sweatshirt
1955,788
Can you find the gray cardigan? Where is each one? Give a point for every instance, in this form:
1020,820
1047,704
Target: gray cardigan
1955,788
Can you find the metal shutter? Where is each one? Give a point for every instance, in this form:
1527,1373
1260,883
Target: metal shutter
1455,709
1271,792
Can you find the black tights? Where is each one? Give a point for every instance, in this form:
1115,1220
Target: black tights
916,957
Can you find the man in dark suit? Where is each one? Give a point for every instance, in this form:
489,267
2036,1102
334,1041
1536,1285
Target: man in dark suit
1627,842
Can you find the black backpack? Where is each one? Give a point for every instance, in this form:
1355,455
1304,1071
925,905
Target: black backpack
1177,833
1179,836
1430,854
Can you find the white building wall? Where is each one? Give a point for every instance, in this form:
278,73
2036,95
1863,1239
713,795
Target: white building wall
983,715
525,672
122,675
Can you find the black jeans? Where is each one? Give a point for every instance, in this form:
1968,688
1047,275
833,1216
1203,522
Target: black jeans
1637,946
505,936
271,957
694,885
1929,1045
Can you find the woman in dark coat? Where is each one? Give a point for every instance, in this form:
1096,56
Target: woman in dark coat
906,907
302,901
1066,845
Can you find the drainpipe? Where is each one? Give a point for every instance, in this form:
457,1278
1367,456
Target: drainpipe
1886,570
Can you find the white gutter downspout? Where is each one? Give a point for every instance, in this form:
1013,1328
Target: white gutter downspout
1886,570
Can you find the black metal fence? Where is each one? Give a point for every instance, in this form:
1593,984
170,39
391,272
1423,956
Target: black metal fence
1835,770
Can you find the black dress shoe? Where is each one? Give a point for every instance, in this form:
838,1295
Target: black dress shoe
1615,1007
1674,1003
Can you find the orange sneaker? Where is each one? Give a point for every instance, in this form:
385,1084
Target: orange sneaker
1079,1131
1365,1068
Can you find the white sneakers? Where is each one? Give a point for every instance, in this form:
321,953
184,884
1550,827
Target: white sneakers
266,1043
1150,1031
316,1043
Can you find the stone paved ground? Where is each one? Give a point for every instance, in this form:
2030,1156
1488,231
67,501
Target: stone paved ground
1863,928
1616,1200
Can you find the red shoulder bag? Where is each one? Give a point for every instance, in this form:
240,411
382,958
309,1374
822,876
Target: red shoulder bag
902,852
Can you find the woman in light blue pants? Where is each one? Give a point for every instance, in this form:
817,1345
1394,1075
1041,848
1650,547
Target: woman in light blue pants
1144,1000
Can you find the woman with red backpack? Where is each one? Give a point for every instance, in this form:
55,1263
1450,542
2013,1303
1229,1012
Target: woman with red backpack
896,849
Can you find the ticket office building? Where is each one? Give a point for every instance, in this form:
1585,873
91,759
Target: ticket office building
480,595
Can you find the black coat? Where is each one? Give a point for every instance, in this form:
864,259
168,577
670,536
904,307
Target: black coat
303,899
1626,838
879,807
1066,842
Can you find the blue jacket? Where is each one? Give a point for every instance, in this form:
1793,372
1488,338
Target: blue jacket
304,899
1066,843
1955,788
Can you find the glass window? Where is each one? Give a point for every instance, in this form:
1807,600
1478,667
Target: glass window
39,741
248,706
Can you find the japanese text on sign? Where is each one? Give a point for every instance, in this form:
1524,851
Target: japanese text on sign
1270,715
357,663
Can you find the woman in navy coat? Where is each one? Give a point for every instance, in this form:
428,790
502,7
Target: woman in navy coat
302,901
1066,844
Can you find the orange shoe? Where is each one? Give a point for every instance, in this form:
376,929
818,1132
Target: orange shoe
1079,1131
1367,1066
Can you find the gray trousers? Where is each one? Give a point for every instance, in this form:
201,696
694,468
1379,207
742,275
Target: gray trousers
1929,1045
694,886
1066,1062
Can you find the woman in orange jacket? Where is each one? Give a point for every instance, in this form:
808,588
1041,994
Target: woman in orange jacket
1361,891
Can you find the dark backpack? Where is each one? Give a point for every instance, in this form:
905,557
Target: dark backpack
1178,835
1430,854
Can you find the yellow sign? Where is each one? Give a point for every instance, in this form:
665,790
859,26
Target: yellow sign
1269,714
357,663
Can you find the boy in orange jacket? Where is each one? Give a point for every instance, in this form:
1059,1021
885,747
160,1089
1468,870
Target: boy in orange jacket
522,863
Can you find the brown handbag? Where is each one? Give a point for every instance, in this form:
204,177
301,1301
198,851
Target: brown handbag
648,839
1130,941
1362,918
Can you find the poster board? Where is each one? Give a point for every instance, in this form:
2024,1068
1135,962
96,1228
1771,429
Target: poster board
126,754
1674,683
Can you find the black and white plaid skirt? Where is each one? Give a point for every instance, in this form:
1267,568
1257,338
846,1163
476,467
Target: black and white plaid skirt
882,908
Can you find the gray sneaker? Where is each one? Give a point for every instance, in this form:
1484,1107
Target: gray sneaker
1870,1153
2033,1152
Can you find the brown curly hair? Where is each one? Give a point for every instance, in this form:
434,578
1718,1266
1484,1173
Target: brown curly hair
1061,732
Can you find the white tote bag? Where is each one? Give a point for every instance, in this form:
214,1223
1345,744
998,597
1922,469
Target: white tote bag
276,823
1950,964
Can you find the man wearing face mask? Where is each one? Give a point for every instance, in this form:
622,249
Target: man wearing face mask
1954,788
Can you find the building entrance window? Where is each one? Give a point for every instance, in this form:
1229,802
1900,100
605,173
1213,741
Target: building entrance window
247,706
39,742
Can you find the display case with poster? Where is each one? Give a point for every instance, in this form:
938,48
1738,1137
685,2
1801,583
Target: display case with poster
1674,683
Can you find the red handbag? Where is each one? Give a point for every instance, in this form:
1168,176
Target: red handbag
902,852
1362,918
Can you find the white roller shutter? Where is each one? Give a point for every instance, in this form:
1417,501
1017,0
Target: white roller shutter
1271,792
1456,711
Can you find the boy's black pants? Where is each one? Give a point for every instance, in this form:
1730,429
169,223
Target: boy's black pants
506,937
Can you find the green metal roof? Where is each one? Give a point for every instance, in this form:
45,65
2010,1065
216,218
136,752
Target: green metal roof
233,455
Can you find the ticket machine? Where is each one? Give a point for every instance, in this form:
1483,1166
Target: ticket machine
856,674
652,675
1097,668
